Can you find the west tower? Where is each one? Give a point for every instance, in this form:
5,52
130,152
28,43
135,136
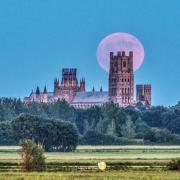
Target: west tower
121,78
69,84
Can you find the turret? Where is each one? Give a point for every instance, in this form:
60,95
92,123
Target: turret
147,93
93,90
45,90
38,94
56,86
82,85
38,91
139,92
45,95
131,61
123,53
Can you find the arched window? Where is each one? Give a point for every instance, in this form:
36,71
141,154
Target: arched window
124,64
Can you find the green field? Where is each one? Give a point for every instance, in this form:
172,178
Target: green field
123,162
127,175
99,153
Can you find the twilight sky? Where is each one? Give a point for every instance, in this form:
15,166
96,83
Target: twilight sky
40,37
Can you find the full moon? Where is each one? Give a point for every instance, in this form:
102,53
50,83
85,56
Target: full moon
120,42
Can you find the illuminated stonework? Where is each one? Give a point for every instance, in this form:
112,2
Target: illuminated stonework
121,78
121,87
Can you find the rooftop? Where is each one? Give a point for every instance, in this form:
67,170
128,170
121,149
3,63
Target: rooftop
91,97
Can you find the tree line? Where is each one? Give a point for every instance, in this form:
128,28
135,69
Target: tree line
59,123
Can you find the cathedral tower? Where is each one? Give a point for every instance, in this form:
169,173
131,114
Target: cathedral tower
121,78
147,93
143,93
69,84
139,92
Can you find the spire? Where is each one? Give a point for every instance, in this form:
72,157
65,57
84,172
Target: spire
45,90
93,90
101,89
37,91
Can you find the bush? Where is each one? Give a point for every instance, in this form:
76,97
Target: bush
174,164
32,156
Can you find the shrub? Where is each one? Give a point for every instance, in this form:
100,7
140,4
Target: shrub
174,164
32,156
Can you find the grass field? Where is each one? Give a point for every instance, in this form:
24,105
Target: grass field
124,175
99,153
124,162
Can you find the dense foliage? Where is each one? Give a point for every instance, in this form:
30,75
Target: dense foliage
108,124
51,134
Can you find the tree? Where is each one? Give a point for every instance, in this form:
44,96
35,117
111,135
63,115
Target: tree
6,134
141,129
167,118
92,138
64,137
107,123
52,134
174,125
81,121
121,119
32,156
62,110
128,129
134,114
48,124
159,135
153,117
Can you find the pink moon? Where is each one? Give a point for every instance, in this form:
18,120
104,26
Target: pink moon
120,42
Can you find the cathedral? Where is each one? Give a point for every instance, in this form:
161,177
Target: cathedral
121,87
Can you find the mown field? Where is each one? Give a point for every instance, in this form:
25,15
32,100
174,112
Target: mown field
123,175
123,162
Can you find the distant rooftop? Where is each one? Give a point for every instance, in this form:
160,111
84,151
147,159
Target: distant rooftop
91,97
